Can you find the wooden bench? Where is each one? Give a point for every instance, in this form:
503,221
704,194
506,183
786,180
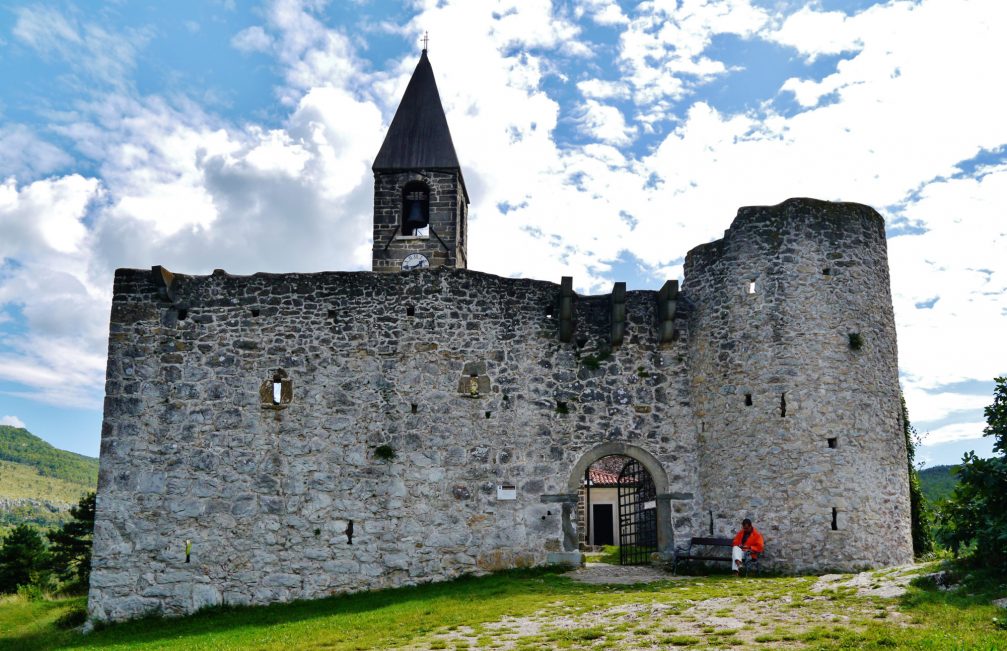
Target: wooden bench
687,554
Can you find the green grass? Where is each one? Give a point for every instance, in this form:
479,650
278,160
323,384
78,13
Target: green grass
521,609
609,554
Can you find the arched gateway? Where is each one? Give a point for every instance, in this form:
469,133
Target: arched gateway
665,533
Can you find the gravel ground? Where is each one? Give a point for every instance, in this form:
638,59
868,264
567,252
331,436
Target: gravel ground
649,625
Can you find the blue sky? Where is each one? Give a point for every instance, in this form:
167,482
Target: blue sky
601,139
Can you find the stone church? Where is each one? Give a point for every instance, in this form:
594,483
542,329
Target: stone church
287,436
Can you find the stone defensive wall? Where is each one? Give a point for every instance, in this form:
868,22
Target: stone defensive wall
285,436
277,437
794,381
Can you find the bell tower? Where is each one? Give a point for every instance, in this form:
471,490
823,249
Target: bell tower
420,201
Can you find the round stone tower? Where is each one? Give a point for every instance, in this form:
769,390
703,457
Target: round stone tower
794,379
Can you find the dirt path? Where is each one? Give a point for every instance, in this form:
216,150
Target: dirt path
768,613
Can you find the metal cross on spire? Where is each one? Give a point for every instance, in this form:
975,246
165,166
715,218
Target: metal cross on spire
426,40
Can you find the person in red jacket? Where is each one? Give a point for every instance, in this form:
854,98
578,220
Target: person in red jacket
748,543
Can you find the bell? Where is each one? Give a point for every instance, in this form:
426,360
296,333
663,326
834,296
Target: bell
415,218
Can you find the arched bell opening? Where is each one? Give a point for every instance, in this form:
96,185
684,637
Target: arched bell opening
415,209
623,502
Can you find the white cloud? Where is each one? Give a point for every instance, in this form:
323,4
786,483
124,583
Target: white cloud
184,188
603,12
960,336
252,39
88,48
24,154
601,89
605,123
45,216
814,33
12,421
955,432
662,49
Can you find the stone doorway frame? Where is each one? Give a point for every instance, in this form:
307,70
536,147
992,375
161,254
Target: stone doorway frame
665,532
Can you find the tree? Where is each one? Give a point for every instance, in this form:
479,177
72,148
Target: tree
70,545
996,417
919,514
23,557
976,513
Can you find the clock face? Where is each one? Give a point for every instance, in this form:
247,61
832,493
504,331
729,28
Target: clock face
415,261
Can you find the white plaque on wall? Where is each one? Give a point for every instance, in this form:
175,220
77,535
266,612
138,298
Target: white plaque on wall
506,492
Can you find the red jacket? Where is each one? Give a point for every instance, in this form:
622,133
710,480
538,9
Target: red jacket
754,543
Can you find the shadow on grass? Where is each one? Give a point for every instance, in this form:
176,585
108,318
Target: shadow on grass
437,598
971,586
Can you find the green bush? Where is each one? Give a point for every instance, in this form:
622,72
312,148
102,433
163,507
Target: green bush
919,511
976,513
70,545
23,558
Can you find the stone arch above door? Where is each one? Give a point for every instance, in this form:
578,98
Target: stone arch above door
648,460
665,531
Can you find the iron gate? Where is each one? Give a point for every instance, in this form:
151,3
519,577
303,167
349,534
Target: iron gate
637,514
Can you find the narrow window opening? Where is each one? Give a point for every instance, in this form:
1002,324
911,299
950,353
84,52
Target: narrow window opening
415,209
835,519
783,405
827,271
413,407
832,443
332,314
349,532
255,312
410,310
751,287
183,315
702,426
488,414
277,389
549,311
748,399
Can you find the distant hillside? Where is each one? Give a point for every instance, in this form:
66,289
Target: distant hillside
938,482
39,483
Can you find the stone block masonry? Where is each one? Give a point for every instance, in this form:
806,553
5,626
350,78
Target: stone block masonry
799,429
459,373
310,434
